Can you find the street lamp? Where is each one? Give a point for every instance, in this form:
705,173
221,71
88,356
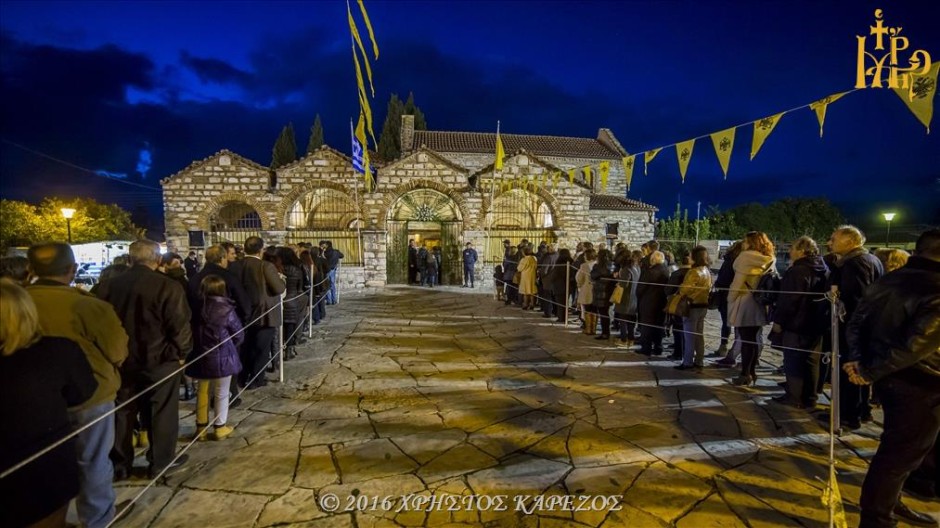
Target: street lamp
888,218
68,213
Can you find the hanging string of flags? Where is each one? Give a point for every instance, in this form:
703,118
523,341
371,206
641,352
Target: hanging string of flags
918,97
360,148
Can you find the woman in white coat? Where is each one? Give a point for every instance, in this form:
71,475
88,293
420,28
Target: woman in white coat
745,314
586,291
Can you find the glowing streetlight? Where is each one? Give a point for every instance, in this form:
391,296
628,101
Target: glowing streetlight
888,218
68,213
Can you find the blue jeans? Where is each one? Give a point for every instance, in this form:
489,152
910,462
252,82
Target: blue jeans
331,296
693,340
95,500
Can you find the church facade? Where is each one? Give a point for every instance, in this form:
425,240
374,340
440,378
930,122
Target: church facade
442,191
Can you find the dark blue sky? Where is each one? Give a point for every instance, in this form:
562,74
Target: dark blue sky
94,83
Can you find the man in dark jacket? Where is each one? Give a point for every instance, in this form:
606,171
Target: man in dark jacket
217,264
854,271
894,342
264,287
191,264
546,263
332,256
469,262
651,301
156,317
412,262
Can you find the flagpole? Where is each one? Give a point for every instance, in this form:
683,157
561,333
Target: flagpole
359,221
489,226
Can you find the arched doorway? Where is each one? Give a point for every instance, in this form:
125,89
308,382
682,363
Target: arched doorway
518,214
234,222
327,214
431,219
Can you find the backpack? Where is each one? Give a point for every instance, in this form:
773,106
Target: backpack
768,288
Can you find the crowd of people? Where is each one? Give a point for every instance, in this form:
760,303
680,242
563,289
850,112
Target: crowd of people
889,338
109,364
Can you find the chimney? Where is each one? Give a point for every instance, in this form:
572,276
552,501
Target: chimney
407,133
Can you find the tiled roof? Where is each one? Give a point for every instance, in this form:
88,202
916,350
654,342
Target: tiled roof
616,203
485,142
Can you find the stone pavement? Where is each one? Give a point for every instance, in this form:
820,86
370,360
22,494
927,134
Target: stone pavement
445,392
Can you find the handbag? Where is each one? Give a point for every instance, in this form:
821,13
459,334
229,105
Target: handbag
517,277
617,296
677,305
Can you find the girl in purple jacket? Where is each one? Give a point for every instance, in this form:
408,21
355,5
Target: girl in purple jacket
220,332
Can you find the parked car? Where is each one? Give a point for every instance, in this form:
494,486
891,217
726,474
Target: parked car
85,282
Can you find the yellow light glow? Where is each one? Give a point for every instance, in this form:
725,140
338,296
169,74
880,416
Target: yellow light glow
67,212
888,216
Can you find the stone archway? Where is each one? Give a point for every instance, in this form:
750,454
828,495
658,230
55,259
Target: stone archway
432,219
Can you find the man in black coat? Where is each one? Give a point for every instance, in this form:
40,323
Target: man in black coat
217,264
651,301
894,343
264,287
332,256
412,262
156,317
854,271
191,264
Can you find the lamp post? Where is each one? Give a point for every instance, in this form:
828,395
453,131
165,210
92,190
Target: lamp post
67,213
888,218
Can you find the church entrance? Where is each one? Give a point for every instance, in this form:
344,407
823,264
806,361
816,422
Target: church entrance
432,220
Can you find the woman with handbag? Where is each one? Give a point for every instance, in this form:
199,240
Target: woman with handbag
586,292
745,314
674,320
695,288
527,287
625,309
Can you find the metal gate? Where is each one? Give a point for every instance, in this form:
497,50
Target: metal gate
451,256
397,252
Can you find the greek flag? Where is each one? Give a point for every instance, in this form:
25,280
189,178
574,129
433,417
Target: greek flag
358,162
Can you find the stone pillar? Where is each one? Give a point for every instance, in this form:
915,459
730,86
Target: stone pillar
407,133
374,248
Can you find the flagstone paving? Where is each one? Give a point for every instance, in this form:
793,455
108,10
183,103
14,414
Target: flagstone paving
483,415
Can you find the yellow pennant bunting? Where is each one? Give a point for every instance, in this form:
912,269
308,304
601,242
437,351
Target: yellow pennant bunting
684,154
571,176
365,58
605,172
555,177
820,108
832,498
918,96
365,16
762,129
628,169
500,153
648,157
544,178
587,174
724,142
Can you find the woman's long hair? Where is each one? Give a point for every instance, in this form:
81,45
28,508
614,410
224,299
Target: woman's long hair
19,319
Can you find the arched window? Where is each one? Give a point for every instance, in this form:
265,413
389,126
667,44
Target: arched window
235,215
322,209
520,209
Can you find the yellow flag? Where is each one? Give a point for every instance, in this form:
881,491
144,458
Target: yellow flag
544,178
587,174
571,176
500,153
365,16
684,153
361,136
628,169
648,157
555,177
820,108
919,95
365,58
605,172
832,498
762,129
724,142
364,106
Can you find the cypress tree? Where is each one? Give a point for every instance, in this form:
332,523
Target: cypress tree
389,147
285,148
412,109
316,135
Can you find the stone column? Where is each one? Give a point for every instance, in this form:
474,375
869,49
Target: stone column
374,248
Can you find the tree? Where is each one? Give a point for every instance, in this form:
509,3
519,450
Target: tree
783,220
389,147
316,135
412,109
24,224
677,233
285,148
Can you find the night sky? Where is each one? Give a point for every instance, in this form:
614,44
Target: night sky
139,90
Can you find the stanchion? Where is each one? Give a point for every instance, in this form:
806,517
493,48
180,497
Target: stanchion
280,339
567,292
310,307
835,420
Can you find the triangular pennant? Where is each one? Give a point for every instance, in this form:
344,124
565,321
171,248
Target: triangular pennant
918,94
555,177
570,175
605,172
762,129
648,157
500,153
723,142
628,169
684,154
820,108
587,174
832,498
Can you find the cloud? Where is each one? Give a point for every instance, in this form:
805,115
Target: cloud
214,70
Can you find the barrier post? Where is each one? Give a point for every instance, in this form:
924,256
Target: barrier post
280,339
310,307
567,292
835,420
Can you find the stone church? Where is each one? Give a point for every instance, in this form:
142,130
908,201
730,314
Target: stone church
442,191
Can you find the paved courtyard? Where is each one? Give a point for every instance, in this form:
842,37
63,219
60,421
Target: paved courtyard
499,415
